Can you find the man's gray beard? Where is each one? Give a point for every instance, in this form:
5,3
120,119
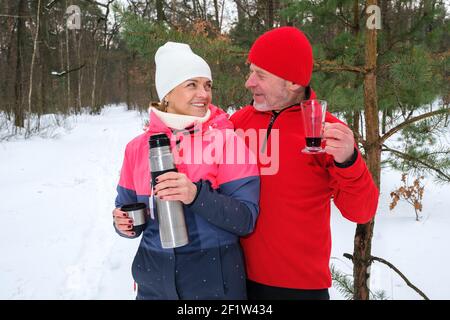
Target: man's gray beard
262,107
284,96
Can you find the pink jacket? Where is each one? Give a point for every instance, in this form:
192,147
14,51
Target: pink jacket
213,157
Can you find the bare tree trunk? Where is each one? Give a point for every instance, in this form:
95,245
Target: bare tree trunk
101,85
383,122
194,7
355,123
61,87
42,89
205,8
240,11
356,26
33,59
43,62
128,64
94,81
385,10
80,72
160,16
68,66
364,232
18,106
284,21
216,14
8,34
270,14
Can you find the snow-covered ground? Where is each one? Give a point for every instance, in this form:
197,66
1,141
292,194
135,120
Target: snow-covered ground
419,249
57,239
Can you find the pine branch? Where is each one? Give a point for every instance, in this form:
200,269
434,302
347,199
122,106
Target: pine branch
49,5
14,16
343,283
104,5
440,55
412,158
390,265
65,72
410,121
405,36
178,12
342,18
331,66
245,9
360,139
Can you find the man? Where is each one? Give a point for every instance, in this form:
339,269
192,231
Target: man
288,254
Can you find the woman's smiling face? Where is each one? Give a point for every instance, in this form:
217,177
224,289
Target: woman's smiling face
192,97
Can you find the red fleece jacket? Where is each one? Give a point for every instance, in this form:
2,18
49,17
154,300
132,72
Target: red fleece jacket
291,244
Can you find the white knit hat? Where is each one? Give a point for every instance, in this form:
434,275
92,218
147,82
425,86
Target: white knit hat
176,63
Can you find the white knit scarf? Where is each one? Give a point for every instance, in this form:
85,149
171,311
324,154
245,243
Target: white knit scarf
178,121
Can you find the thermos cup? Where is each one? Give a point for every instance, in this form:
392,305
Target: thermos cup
172,225
138,212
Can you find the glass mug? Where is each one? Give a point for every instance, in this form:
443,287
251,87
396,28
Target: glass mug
313,114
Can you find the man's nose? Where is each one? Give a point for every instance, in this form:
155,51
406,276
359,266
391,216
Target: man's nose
251,81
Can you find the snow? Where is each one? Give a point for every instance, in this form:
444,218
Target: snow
419,249
58,242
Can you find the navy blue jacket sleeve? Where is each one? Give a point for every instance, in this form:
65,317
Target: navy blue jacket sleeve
233,207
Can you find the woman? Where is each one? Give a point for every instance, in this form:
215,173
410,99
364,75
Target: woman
220,198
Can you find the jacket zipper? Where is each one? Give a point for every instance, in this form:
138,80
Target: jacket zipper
272,121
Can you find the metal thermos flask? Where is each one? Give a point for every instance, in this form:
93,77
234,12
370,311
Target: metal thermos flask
172,225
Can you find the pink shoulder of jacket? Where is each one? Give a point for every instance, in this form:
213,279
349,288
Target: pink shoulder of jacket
234,149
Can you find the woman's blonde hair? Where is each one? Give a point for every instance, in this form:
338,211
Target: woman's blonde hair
161,105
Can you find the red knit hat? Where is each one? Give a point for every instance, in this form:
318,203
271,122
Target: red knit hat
285,52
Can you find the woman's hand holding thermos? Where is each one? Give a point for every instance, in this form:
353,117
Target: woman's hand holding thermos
175,186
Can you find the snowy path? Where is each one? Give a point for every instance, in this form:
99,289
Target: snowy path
58,195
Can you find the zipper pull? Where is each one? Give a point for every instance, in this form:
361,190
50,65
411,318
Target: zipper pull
269,128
